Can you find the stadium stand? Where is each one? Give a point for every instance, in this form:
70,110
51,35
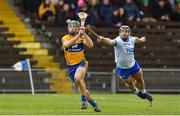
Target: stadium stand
19,43
161,51
3,29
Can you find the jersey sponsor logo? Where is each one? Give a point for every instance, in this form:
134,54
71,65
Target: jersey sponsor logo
129,50
75,48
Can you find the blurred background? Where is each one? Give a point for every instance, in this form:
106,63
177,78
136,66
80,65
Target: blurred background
32,29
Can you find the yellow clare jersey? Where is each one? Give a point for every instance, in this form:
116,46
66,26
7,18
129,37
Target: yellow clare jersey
75,53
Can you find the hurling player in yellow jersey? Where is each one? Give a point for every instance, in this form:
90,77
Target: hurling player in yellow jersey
73,44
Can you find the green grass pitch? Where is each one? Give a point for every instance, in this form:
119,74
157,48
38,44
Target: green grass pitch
69,104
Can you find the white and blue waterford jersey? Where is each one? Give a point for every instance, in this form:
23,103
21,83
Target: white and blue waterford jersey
124,52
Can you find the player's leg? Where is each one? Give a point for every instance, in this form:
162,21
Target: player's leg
92,101
125,76
79,75
139,81
141,85
85,95
130,83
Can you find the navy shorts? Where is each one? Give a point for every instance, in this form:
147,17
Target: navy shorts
72,69
125,73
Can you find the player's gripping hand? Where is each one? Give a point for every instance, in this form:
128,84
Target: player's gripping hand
100,38
82,28
81,31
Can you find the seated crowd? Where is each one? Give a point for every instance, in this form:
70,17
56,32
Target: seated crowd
111,13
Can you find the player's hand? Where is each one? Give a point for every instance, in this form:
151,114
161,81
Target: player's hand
81,31
143,39
100,38
82,28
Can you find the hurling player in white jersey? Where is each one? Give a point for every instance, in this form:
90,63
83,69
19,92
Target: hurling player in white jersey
126,66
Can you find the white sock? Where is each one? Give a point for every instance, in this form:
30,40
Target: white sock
143,91
137,90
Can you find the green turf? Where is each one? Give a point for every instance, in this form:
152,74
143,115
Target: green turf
120,104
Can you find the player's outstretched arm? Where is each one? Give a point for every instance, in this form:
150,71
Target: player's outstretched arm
140,40
106,41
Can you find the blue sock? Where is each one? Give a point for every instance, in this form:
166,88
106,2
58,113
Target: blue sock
83,98
92,102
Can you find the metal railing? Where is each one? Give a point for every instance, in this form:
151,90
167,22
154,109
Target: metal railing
12,81
156,80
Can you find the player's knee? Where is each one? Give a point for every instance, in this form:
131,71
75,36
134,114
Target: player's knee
78,78
79,74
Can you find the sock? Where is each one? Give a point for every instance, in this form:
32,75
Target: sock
92,102
143,91
83,98
136,92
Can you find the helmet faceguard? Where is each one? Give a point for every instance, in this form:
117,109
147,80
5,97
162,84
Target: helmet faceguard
124,27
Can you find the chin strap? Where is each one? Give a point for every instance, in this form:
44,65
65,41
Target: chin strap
72,33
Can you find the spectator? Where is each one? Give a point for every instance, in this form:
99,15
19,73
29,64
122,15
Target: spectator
106,9
59,6
162,10
72,3
30,6
47,11
172,2
94,18
118,2
54,2
176,13
64,14
132,10
118,17
176,1
81,5
123,16
145,10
